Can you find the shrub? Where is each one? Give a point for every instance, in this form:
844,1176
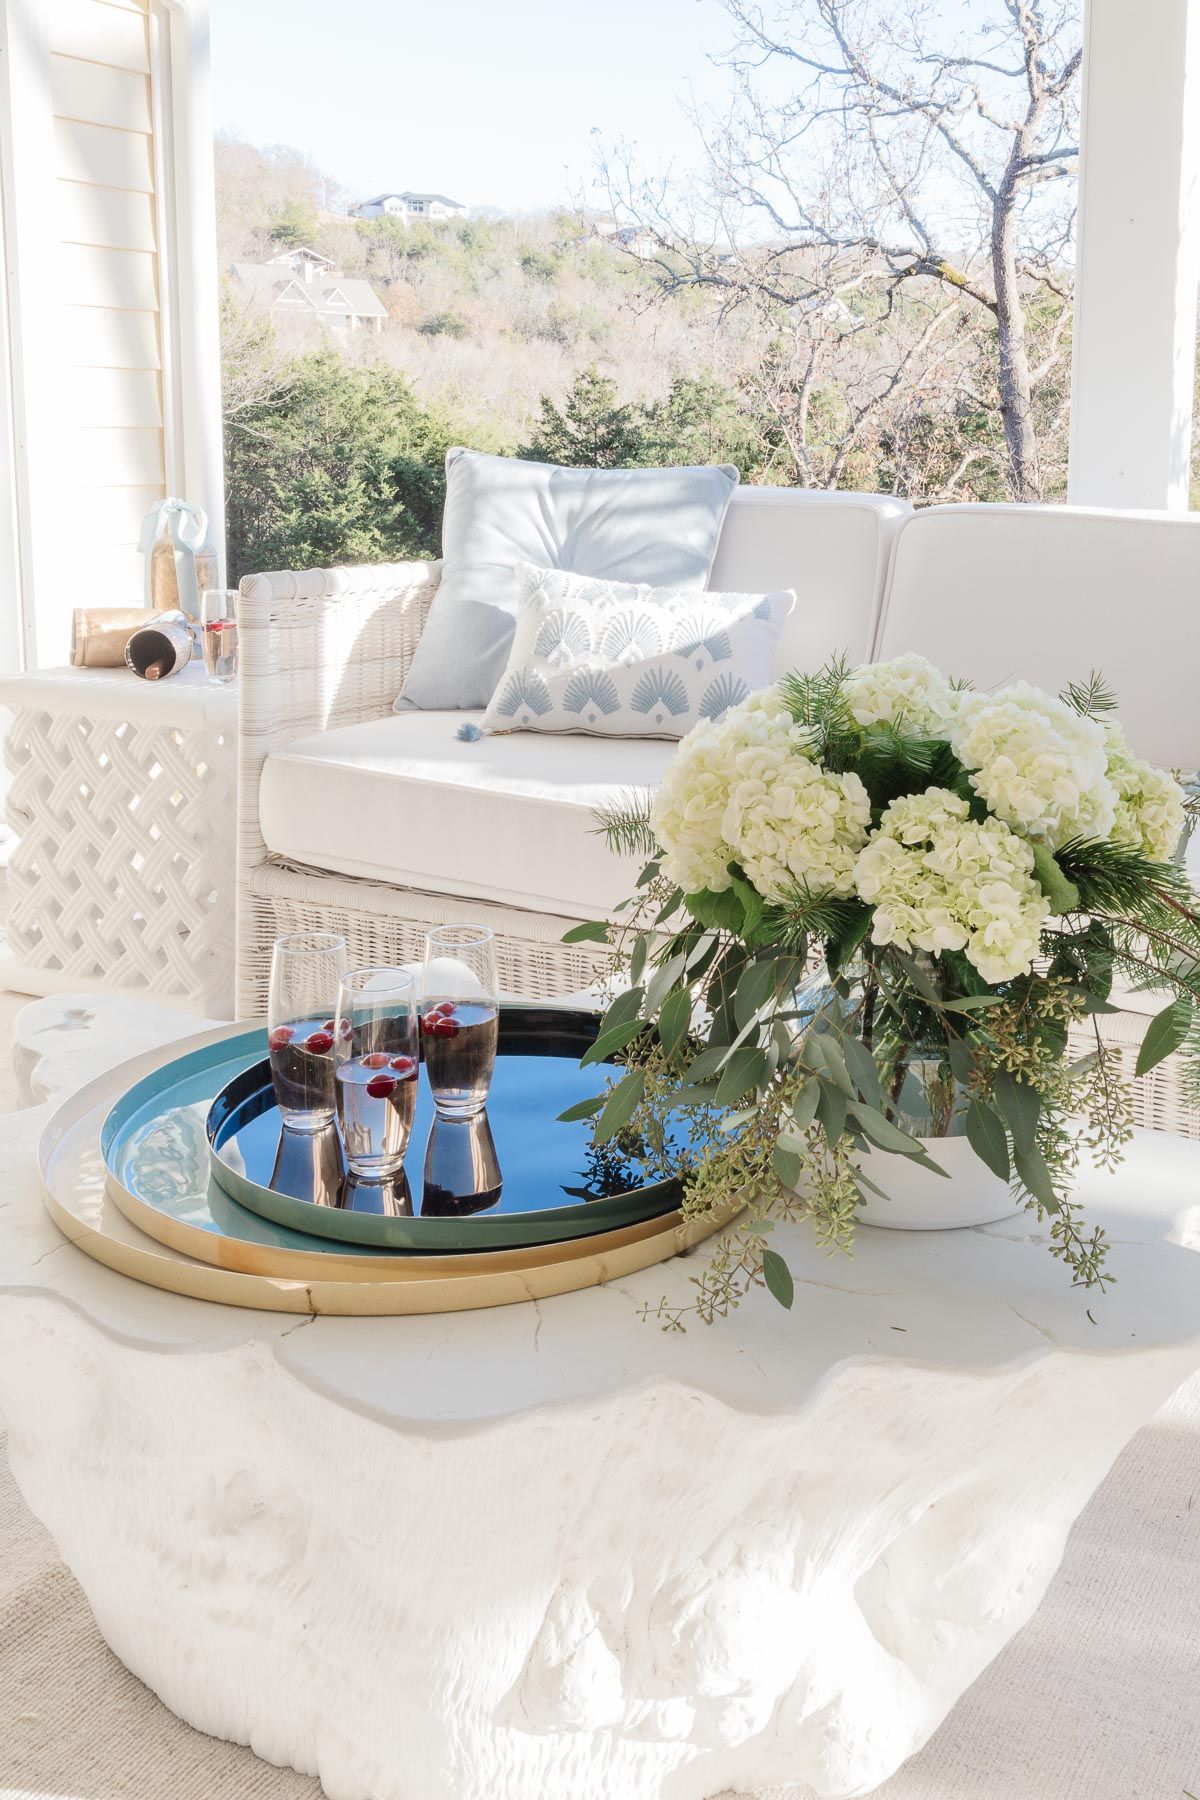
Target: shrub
445,324
331,463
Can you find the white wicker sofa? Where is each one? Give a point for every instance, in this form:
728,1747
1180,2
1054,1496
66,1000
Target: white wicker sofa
351,816
376,824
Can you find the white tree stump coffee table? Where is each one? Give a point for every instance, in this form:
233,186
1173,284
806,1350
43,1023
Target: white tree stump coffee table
548,1552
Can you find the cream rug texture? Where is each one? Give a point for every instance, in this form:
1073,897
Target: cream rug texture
1097,1699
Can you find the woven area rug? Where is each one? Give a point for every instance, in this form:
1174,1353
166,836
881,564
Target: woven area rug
1098,1699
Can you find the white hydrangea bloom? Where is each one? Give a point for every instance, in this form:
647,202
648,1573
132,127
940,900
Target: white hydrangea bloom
1036,763
791,823
689,809
1149,811
938,880
908,689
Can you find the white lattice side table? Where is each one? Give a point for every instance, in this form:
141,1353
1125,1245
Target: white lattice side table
123,798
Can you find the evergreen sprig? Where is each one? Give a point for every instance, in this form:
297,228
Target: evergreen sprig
624,824
1089,697
802,918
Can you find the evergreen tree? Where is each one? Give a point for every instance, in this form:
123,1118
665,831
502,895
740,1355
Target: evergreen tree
332,463
294,225
699,422
592,429
702,421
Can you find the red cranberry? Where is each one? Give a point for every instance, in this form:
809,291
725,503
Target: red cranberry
345,1030
318,1042
403,1065
281,1037
429,1023
445,1028
376,1060
380,1086
445,1007
328,1025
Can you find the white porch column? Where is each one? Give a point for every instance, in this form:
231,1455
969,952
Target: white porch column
1138,255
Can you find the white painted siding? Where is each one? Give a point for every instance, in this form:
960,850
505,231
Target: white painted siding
107,280
106,205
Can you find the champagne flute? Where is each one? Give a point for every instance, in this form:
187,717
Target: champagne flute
460,1014
377,1055
306,967
219,634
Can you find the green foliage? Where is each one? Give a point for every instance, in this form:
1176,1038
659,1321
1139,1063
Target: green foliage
702,421
294,225
625,825
698,423
332,464
539,265
445,324
591,430
793,1077
1091,696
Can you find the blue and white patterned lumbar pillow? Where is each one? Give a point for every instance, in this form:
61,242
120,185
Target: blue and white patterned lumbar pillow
621,659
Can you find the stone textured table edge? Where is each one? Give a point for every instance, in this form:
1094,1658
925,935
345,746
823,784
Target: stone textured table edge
639,1584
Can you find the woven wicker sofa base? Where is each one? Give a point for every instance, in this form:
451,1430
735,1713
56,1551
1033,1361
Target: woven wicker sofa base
1159,1101
388,924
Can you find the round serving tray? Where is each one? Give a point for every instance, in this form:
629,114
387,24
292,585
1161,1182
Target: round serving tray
276,1270
512,1177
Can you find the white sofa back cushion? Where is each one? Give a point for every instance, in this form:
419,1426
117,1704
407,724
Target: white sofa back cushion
832,550
1049,593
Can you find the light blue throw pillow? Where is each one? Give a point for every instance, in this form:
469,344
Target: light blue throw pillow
658,526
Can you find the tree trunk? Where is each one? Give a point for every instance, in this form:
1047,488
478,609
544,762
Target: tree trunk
1016,403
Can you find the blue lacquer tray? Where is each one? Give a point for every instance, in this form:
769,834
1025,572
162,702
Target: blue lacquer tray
523,1178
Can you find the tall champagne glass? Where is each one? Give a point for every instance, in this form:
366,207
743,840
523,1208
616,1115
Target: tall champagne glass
306,968
219,634
377,1052
460,1012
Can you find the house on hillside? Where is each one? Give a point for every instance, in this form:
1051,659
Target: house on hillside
303,261
304,284
638,240
409,206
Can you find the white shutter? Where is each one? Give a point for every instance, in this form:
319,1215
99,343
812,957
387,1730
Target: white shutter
108,224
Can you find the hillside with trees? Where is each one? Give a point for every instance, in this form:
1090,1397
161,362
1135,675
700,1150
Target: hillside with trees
867,286
528,336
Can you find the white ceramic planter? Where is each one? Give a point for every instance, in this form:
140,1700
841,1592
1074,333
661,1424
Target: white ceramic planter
918,1200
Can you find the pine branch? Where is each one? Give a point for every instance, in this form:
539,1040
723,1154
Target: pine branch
625,826
1090,697
1119,878
818,702
802,916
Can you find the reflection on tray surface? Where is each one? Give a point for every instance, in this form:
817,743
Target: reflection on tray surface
608,1169
171,1156
462,1170
309,1166
517,1157
390,1198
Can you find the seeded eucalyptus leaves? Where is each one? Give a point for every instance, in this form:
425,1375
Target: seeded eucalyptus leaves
878,910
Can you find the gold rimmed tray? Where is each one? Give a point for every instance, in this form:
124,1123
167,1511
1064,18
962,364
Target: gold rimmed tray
287,1277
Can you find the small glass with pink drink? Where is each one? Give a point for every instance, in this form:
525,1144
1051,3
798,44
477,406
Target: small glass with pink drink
460,1017
376,1061
219,634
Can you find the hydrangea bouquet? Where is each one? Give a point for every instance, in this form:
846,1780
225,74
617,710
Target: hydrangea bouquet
875,905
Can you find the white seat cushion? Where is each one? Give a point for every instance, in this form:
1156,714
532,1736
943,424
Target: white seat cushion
832,550
1049,593
508,818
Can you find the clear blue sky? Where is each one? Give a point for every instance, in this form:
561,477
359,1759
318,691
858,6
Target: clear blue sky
490,101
